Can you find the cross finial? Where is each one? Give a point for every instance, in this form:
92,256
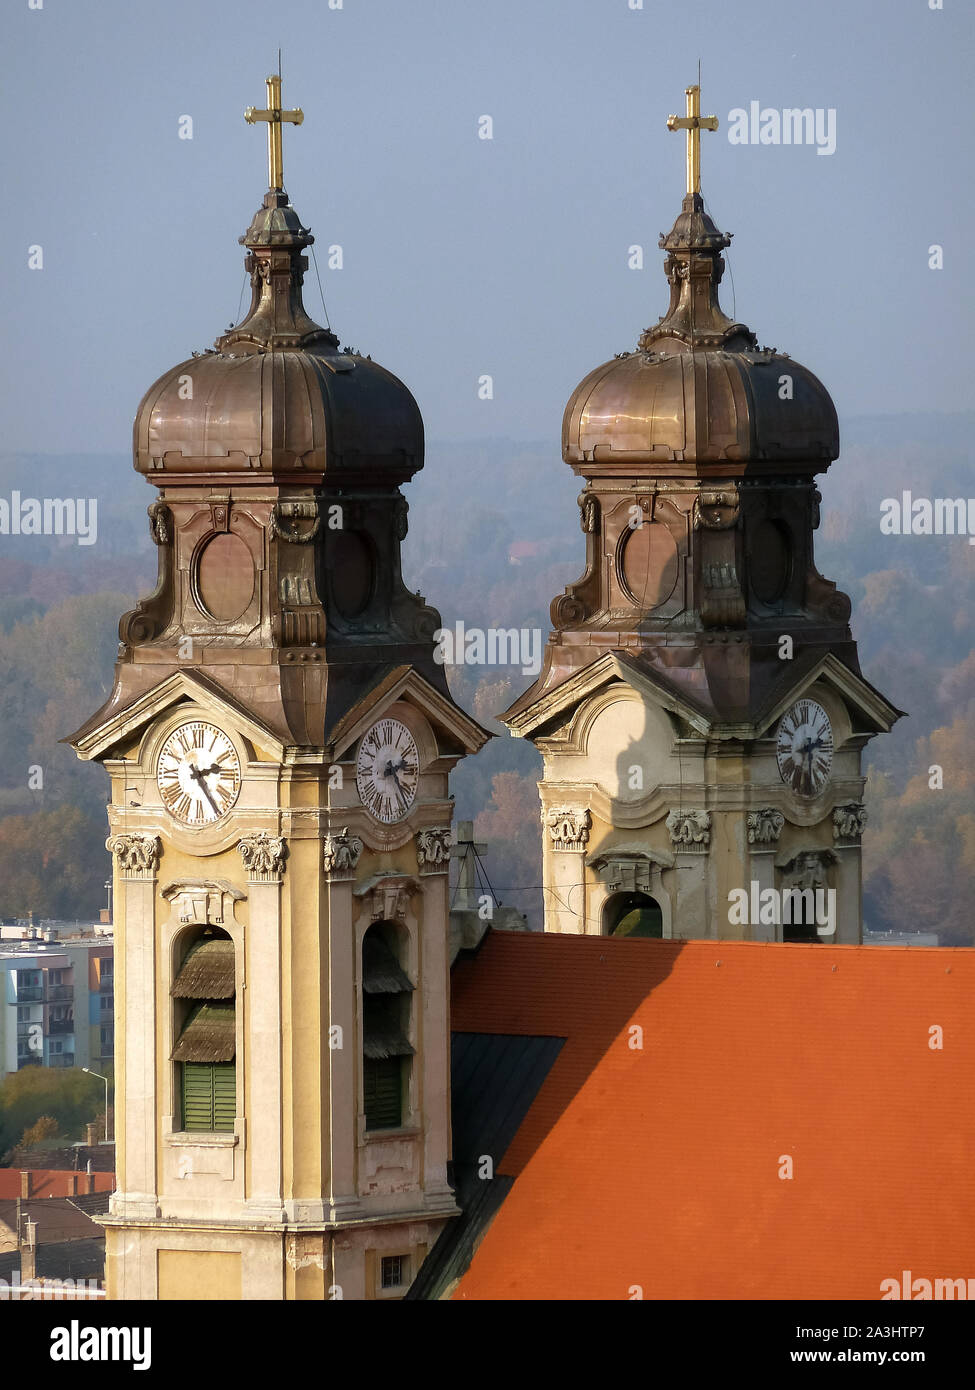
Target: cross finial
693,123
274,117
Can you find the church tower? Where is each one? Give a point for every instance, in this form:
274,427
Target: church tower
700,708
279,739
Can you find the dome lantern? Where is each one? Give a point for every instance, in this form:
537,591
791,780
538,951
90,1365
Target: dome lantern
698,390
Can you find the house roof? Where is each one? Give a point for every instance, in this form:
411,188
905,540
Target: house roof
52,1182
660,1166
58,1219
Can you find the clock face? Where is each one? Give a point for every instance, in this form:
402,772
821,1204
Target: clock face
198,773
804,748
387,770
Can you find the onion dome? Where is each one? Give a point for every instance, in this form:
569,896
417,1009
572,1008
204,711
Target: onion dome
699,389
276,396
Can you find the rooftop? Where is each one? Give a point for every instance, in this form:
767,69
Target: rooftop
657,1158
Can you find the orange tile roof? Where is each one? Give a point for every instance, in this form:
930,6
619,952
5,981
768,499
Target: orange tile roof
659,1167
52,1182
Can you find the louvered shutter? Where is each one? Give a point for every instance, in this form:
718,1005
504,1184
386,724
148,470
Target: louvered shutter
382,1090
209,1096
224,1095
197,1095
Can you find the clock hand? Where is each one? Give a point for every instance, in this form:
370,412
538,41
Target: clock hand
399,789
197,775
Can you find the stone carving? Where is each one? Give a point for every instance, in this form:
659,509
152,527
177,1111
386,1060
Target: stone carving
159,523
588,512
340,852
716,511
628,874
285,517
569,828
391,900
433,848
808,869
263,856
722,601
765,826
401,518
567,610
849,820
690,828
135,854
822,596
202,901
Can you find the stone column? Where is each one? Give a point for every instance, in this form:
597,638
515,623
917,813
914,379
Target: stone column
136,867
690,835
566,833
340,857
433,862
261,1084
848,823
764,830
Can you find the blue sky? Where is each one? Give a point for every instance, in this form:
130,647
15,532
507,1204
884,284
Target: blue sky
464,256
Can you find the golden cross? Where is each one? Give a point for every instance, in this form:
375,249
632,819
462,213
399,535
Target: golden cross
274,116
693,123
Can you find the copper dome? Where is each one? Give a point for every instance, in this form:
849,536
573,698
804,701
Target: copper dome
277,395
698,389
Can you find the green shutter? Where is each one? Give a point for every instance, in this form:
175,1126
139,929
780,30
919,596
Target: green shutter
224,1095
197,1096
382,1090
209,1095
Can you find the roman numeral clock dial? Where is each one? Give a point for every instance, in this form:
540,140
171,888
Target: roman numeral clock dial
198,773
387,770
804,748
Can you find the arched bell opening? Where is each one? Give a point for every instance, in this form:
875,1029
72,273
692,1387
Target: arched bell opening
632,914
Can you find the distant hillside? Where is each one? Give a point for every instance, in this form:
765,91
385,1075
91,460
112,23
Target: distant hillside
494,536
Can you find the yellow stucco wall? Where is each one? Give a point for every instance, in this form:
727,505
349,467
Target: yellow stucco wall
198,1274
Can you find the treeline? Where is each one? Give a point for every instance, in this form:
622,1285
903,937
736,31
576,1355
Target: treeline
494,536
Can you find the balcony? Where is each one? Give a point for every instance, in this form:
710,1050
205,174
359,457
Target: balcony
60,1025
50,994
61,1059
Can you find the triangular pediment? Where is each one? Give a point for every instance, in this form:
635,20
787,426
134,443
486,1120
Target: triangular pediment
406,683
856,692
96,738
553,708
610,669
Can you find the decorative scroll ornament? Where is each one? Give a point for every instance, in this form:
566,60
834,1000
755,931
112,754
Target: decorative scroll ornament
588,512
433,848
849,820
568,827
286,518
263,856
567,611
136,855
160,518
765,826
340,852
716,511
690,828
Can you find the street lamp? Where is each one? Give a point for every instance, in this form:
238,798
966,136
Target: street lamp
89,1071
